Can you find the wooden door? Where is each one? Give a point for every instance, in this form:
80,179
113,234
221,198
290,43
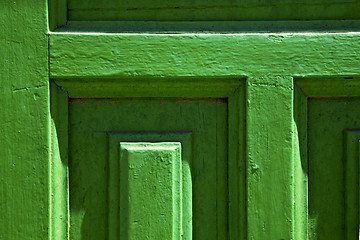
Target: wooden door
256,90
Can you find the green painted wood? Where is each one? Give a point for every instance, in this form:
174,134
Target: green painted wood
195,27
286,183
210,219
326,111
59,172
327,120
114,138
205,10
152,87
269,140
300,163
351,149
75,55
229,90
57,13
150,181
24,120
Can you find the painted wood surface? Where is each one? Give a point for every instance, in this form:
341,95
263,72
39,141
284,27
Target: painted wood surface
206,119
328,118
221,108
151,191
24,120
269,133
282,124
97,55
205,10
118,196
327,201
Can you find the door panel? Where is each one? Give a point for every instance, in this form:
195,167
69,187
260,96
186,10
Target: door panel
120,204
150,191
333,167
101,130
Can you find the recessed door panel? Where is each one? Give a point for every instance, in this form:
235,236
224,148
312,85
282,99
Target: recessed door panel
333,168
107,172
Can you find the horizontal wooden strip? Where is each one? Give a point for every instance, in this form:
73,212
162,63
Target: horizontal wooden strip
137,26
205,10
329,86
94,55
83,88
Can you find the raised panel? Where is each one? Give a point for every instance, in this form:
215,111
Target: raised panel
181,185
150,190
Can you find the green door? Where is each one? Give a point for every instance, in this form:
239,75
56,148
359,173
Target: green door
179,120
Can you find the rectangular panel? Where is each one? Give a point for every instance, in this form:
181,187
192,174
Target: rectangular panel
327,177
150,190
99,125
120,177
333,168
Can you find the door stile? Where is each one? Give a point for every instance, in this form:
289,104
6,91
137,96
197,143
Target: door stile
236,168
269,135
300,164
59,172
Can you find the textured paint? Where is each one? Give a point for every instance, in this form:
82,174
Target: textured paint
195,27
150,180
269,152
328,125
277,187
117,189
210,10
24,120
89,170
111,111
203,55
351,166
283,182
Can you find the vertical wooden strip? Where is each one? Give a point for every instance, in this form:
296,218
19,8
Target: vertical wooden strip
269,157
358,196
236,167
24,120
300,165
59,164
114,189
351,142
187,196
222,172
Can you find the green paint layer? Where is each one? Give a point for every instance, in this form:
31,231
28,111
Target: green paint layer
210,10
203,55
150,180
24,120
